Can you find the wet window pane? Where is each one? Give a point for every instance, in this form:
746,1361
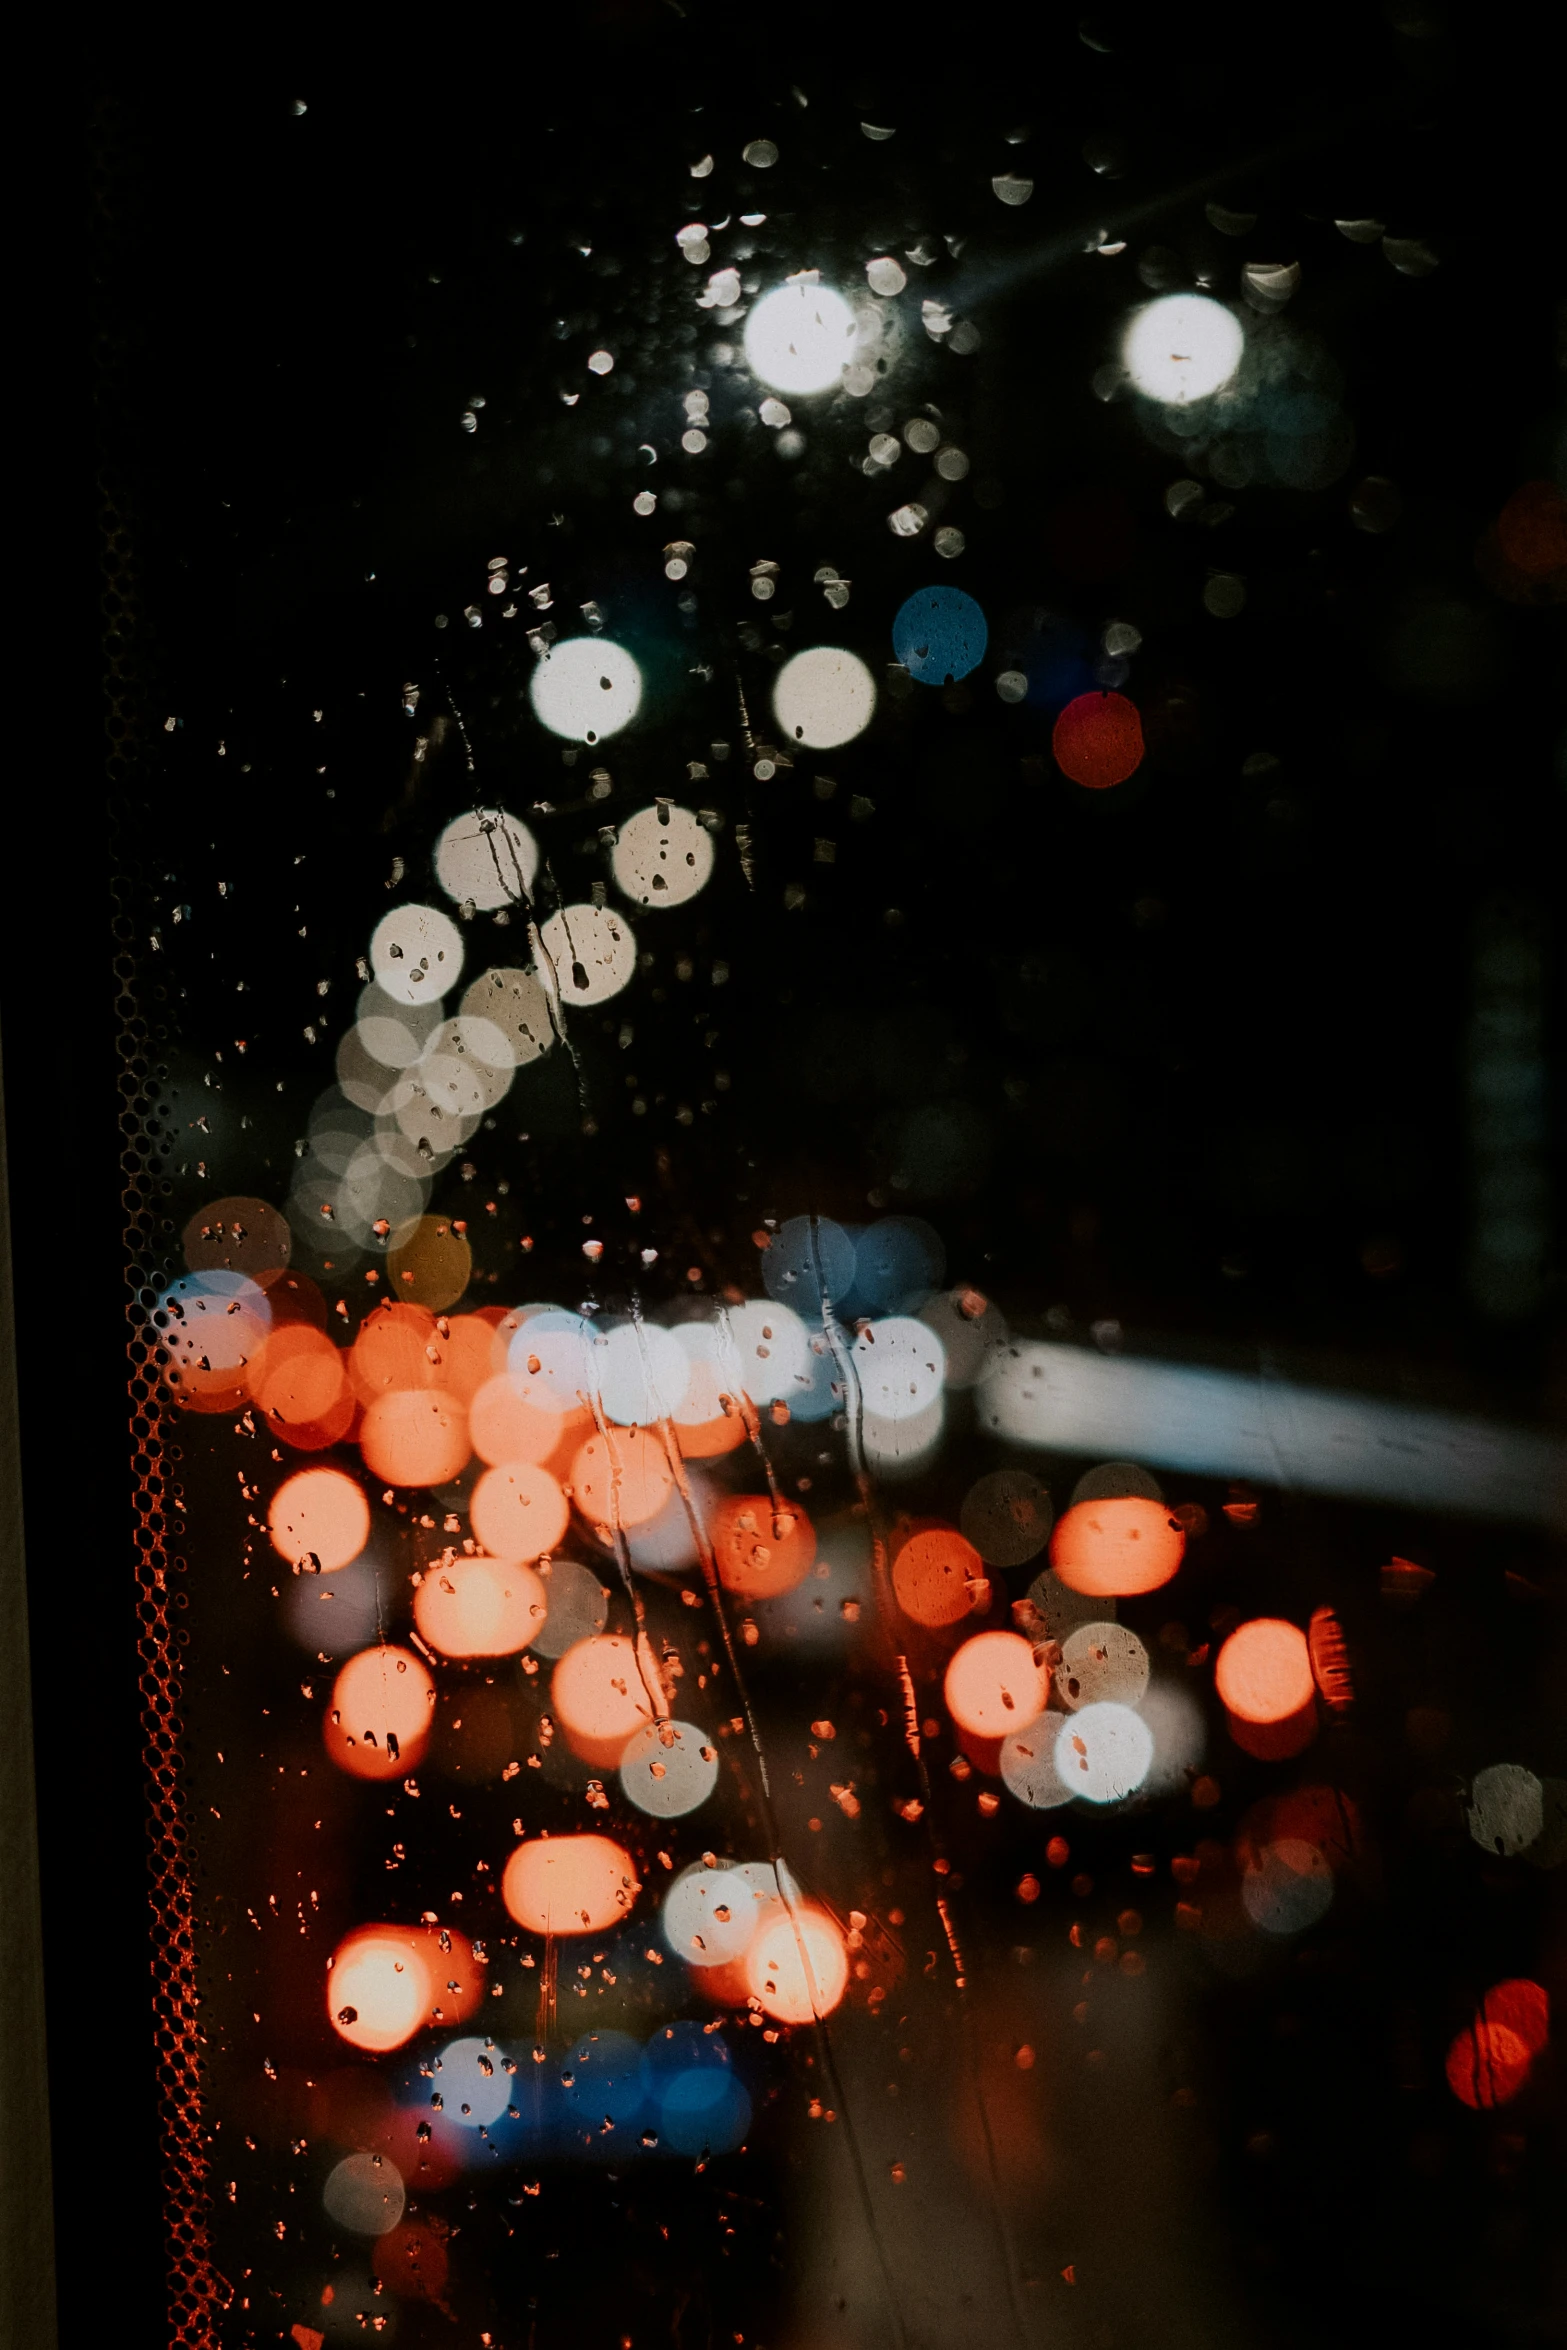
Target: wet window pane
835,842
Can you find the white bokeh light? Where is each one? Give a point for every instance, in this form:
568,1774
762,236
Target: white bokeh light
1101,1664
474,2087
669,1769
1103,1753
800,338
519,1008
1182,347
642,1374
901,1365
485,855
824,697
416,954
586,689
710,1915
365,2194
662,857
1028,1765
589,953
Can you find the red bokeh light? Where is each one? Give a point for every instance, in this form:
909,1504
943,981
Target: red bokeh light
1098,740
1487,2064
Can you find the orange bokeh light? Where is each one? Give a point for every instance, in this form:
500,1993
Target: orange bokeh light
379,1989
518,1511
621,1477
298,1382
467,1353
396,1348
320,1515
480,1607
1487,2064
993,1685
1268,1690
761,1549
247,1236
569,1884
507,1426
1116,1549
1263,1673
797,1966
705,1440
601,1696
378,1722
937,1577
415,1436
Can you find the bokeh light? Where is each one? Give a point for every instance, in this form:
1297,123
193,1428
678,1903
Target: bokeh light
621,1477
1182,348
939,634
797,1965
1102,1664
662,856
379,1987
365,2194
1027,1763
1006,1516
479,1607
761,1548
1523,2007
668,1769
590,954
601,1696
800,337
1264,1680
640,1372
1263,1672
1487,2064
1103,1753
487,859
514,1002
1506,1808
210,1325
395,1349
1287,1887
823,698
319,1518
415,1436
431,1264
518,1511
377,1723
473,2083
1098,740
577,1606
585,688
298,1381
938,1578
1116,1548
993,1685
416,954
711,1915
901,1366
569,1884
240,1235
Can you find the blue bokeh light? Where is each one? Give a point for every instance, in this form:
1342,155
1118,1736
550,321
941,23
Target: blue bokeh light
939,635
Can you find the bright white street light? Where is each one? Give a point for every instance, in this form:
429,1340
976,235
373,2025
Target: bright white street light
800,338
1182,348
